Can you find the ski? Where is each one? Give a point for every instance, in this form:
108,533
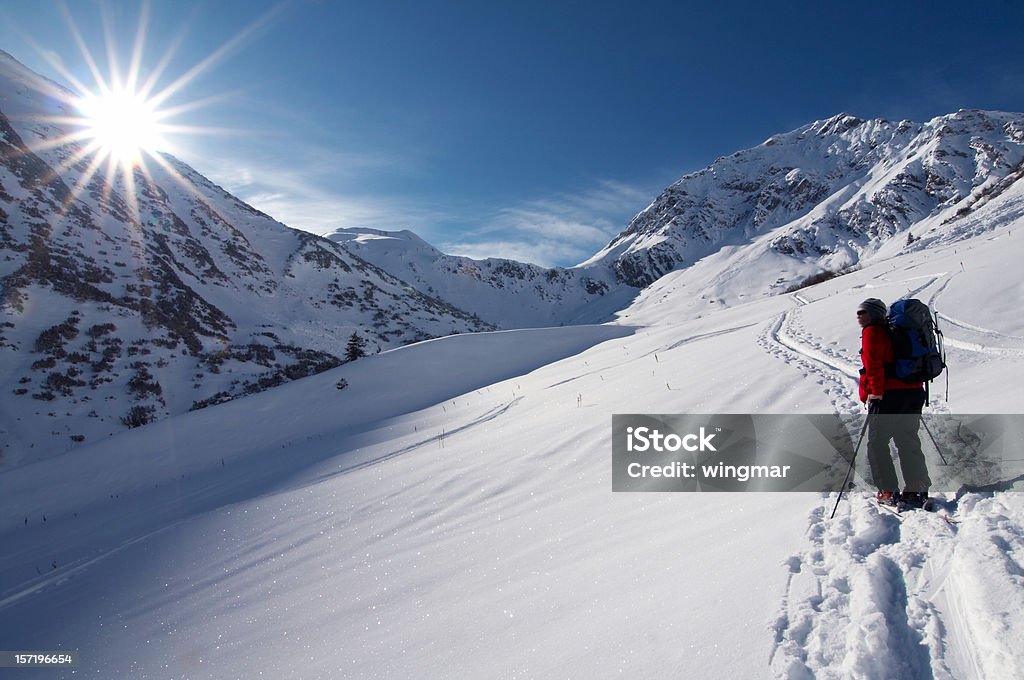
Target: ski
891,509
935,506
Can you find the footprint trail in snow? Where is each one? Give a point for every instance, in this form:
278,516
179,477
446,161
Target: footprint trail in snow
876,595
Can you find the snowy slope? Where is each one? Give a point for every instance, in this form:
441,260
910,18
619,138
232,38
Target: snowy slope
505,293
447,515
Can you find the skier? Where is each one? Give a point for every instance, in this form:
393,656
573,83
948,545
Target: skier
894,407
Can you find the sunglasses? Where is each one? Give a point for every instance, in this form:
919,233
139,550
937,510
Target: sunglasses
861,312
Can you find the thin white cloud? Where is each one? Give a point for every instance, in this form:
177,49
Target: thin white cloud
298,199
553,224
560,229
543,253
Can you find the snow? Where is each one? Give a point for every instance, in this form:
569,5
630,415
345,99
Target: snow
876,595
502,292
449,513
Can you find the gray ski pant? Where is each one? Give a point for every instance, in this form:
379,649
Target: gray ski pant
897,418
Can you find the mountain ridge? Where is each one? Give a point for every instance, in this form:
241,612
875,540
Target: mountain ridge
868,180
506,293
127,298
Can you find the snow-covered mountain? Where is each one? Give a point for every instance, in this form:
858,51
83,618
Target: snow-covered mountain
506,293
824,197
124,301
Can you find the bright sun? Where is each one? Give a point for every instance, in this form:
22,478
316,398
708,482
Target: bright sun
125,120
121,125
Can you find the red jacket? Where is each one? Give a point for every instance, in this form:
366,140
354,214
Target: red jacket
876,354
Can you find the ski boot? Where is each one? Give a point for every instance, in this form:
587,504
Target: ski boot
915,499
891,498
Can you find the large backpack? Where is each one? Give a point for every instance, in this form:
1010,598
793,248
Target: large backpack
916,342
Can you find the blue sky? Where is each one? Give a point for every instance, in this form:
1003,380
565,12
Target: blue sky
532,130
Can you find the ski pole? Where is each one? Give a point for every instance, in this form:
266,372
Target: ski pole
932,437
853,460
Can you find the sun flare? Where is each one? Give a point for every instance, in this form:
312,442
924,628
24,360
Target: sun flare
121,125
121,128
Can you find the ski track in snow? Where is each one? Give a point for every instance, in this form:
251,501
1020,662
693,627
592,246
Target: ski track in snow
976,329
983,349
972,331
653,353
437,439
786,340
909,596
704,336
913,293
74,569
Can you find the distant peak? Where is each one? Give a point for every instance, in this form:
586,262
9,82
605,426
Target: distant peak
837,124
10,67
